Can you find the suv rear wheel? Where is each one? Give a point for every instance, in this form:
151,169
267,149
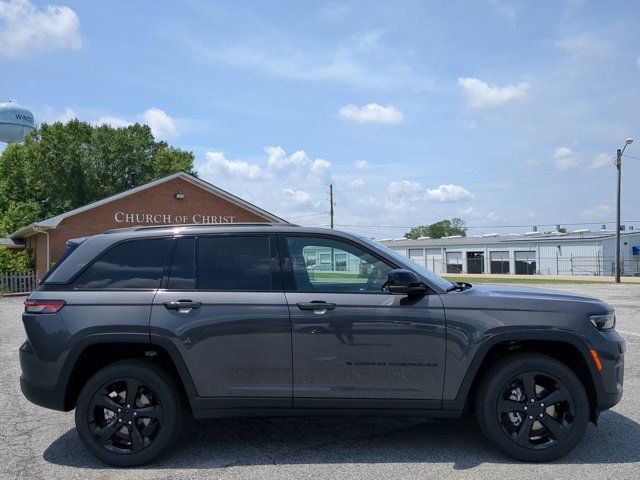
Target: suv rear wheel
128,413
533,407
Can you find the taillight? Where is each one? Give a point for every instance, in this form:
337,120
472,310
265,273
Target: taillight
43,306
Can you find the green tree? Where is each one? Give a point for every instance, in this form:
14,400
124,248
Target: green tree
60,167
14,262
443,228
18,214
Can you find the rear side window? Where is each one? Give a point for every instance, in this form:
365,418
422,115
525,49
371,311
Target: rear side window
130,265
182,275
71,246
234,263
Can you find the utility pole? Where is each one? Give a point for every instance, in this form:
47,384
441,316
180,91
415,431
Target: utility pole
619,153
331,204
619,168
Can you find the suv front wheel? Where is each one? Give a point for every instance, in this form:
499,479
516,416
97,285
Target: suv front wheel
533,407
128,413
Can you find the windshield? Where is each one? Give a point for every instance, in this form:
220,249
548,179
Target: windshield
428,274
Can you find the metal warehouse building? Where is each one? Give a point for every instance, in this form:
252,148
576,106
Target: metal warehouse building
580,252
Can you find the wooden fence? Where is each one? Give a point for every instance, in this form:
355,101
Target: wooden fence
17,282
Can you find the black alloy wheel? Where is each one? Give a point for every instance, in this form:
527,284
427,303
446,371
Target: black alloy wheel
535,410
125,415
533,407
129,413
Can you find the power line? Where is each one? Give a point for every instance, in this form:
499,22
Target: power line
309,215
575,224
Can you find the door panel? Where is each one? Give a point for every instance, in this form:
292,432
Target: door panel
234,345
370,346
224,309
363,346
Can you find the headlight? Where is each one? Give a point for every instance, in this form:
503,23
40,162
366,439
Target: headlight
604,322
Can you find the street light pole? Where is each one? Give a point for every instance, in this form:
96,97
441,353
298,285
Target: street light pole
619,168
619,153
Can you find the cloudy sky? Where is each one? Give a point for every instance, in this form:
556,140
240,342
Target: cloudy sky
502,113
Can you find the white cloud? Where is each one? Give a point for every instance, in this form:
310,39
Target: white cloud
371,113
217,164
360,60
49,115
584,45
564,160
599,212
356,183
532,163
507,13
638,62
336,12
162,125
600,161
404,196
409,196
115,122
362,165
26,28
298,163
368,201
298,197
532,215
479,216
480,94
449,193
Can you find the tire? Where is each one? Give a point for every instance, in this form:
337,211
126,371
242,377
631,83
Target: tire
532,431
123,436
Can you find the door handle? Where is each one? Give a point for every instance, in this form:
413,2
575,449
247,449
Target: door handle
183,306
316,306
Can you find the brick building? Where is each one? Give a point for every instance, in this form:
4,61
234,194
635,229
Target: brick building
176,199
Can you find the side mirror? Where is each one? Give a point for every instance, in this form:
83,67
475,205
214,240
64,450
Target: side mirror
405,282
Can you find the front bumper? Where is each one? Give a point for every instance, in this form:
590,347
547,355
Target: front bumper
612,375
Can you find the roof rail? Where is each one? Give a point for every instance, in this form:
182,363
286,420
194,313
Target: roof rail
201,225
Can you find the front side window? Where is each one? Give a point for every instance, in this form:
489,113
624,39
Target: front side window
136,264
234,263
340,267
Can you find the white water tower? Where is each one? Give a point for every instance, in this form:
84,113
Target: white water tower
15,122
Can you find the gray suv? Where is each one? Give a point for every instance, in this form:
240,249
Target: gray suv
139,328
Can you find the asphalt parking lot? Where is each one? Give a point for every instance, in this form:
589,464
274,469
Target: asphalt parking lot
38,443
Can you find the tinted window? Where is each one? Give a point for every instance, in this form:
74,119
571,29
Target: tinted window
182,275
234,263
133,264
326,265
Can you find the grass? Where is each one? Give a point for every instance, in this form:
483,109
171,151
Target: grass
533,281
350,277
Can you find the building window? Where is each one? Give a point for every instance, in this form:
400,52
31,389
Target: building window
499,262
454,262
525,263
417,255
475,262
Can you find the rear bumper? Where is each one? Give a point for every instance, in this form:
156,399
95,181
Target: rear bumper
48,397
39,380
